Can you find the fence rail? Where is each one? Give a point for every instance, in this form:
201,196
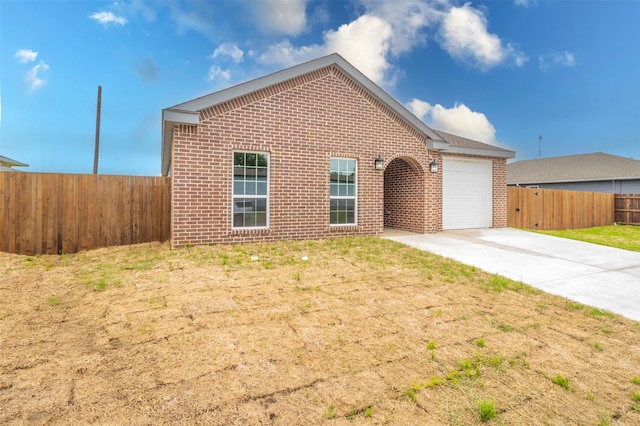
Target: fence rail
50,213
550,209
627,209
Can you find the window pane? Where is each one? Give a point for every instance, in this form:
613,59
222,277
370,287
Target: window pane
351,217
251,160
262,160
350,204
262,188
238,188
335,165
250,173
351,190
237,220
333,218
250,188
333,189
261,219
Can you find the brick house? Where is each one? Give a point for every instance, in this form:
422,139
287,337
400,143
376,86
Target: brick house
318,150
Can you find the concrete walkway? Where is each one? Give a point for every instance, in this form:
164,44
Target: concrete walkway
604,277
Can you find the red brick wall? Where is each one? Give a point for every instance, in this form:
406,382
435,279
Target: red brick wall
301,124
404,196
499,192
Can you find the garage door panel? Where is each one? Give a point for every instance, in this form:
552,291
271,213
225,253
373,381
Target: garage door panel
467,194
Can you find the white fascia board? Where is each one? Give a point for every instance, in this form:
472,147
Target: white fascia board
437,145
497,153
180,116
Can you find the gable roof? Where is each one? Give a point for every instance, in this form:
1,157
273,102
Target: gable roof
6,163
189,112
573,168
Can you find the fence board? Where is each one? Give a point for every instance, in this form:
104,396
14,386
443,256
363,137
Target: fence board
52,213
628,209
548,209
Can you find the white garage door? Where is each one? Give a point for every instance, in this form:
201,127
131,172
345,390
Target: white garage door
466,193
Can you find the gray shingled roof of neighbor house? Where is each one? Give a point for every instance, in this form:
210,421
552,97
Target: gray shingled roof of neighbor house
573,168
189,112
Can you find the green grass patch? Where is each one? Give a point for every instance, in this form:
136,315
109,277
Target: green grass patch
487,410
620,236
54,300
561,381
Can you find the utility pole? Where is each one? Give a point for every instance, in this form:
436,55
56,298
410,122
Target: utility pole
539,146
95,155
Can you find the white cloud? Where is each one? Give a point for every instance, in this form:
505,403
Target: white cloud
25,55
34,78
565,59
524,3
230,50
363,42
215,73
408,20
282,16
106,18
389,29
286,54
459,120
465,36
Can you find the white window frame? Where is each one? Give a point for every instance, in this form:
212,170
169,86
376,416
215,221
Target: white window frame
235,197
353,197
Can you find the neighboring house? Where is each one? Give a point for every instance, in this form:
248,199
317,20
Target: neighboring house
597,172
7,163
315,151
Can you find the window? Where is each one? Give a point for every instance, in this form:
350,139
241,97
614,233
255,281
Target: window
342,209
250,190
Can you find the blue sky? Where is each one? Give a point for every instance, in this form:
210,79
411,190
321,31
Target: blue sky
502,72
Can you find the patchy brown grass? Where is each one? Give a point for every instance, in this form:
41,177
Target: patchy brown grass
366,331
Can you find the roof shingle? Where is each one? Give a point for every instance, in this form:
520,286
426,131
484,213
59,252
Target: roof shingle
573,168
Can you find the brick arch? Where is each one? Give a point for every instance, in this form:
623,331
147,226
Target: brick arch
404,195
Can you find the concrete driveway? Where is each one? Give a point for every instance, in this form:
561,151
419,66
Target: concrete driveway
604,277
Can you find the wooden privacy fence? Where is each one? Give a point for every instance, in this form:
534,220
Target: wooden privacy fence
65,213
548,209
628,209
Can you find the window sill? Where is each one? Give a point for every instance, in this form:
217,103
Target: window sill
253,231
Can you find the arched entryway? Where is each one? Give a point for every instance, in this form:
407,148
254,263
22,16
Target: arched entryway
404,195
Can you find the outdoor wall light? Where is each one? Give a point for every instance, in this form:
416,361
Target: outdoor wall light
379,162
433,166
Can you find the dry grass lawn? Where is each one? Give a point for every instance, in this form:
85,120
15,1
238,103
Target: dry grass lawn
366,331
